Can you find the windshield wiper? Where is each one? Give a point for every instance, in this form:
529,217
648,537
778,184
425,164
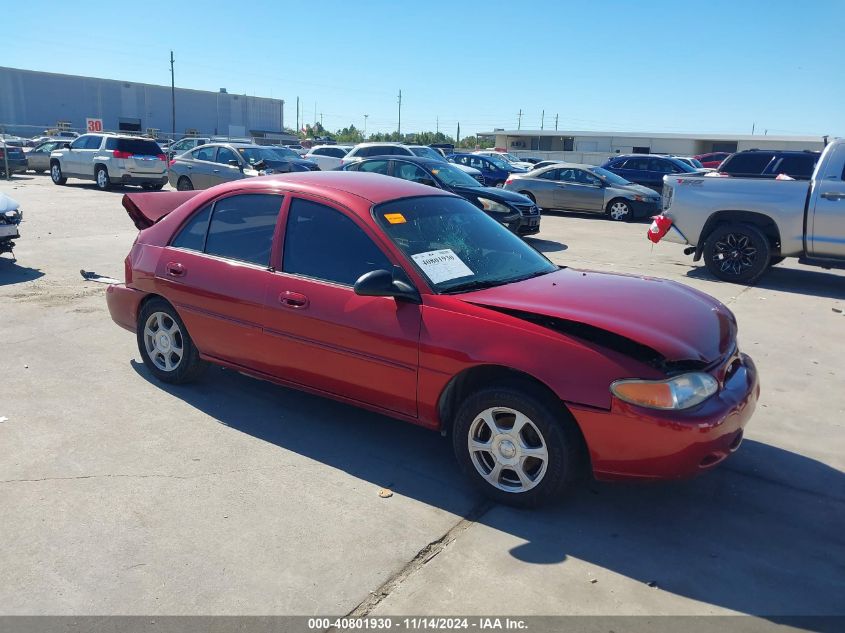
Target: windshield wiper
467,286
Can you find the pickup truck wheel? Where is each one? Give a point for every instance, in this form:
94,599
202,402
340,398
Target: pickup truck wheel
101,176
515,446
56,174
184,184
619,210
165,345
737,252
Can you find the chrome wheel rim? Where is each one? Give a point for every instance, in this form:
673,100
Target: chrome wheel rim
507,449
55,172
102,178
734,254
163,341
618,210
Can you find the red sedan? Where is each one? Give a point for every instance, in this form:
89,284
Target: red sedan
410,301
712,160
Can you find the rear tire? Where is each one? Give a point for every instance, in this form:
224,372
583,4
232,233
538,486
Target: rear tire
184,184
739,253
528,194
152,186
56,174
101,177
522,467
165,345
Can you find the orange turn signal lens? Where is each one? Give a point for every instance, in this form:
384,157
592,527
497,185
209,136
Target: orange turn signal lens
679,392
655,395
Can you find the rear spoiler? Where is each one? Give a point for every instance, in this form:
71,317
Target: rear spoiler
146,209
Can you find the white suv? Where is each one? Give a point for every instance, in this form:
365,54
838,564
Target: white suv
328,156
366,150
109,159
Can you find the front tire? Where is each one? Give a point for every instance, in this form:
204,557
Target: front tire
56,174
619,210
184,184
101,177
739,253
516,447
165,345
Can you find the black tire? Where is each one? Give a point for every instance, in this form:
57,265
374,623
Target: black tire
189,366
775,260
528,194
152,186
56,173
184,184
101,177
550,422
619,210
739,253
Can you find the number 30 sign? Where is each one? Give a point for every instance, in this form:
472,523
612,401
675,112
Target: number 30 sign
94,125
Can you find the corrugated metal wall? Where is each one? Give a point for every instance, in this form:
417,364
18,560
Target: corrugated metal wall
31,100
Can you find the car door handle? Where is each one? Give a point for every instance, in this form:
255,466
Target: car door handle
294,300
833,195
216,171
175,269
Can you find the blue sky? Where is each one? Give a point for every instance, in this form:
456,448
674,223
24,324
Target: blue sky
658,66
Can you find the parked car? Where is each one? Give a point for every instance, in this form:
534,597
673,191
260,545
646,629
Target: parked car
742,226
109,159
514,160
15,158
689,160
646,169
546,163
576,187
759,163
530,159
494,169
215,163
38,159
190,142
365,150
328,156
515,211
411,302
711,160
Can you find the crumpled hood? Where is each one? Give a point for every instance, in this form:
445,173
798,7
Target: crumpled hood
676,321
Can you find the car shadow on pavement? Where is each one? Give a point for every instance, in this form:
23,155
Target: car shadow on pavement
11,273
803,281
759,535
546,246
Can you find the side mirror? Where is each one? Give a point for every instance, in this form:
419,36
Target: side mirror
380,283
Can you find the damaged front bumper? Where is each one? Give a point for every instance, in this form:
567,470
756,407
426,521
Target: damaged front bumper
632,442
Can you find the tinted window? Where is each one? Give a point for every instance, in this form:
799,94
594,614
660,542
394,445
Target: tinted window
79,143
637,163
204,153
325,244
242,227
551,174
320,152
374,166
796,165
192,235
414,173
224,155
747,163
137,146
93,142
335,151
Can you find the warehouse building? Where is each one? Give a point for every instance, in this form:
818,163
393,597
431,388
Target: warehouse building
32,102
596,147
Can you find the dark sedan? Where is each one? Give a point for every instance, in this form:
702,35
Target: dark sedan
14,157
647,169
514,210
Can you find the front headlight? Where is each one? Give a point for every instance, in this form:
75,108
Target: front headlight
680,392
494,207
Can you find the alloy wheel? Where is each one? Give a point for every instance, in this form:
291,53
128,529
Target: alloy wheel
163,341
507,449
734,253
619,211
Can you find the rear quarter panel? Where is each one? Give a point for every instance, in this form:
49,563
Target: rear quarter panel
695,199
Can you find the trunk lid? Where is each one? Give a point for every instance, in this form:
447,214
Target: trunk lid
146,209
679,323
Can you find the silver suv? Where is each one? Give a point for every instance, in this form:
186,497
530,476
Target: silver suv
109,159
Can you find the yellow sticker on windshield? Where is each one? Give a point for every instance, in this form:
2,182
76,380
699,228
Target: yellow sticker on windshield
395,218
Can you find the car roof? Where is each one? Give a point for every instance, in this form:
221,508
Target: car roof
559,164
421,160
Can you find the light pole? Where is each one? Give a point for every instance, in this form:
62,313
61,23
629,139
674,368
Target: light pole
365,126
172,96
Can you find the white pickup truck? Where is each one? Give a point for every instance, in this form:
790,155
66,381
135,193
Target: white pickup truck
744,225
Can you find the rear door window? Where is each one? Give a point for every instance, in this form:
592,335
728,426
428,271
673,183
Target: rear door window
192,235
224,155
374,166
796,165
93,142
204,153
747,164
242,227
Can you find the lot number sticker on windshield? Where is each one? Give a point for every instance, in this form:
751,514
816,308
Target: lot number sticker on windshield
442,265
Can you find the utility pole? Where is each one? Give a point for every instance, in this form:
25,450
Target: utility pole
400,113
297,115
315,113
556,122
752,128
365,126
321,119
542,119
172,96
438,124
519,120
458,135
